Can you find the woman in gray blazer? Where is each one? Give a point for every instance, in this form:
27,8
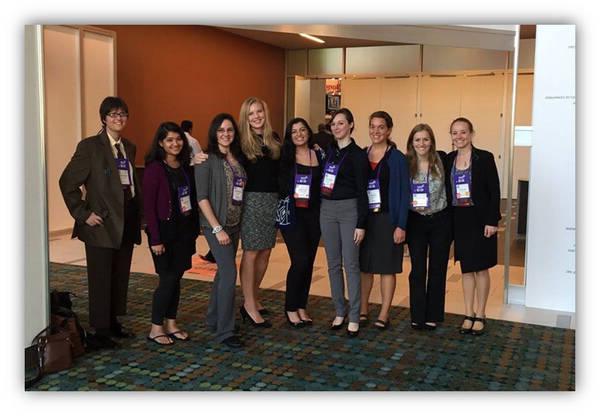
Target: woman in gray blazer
220,186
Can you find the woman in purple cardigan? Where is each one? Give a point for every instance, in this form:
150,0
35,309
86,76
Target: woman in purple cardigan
171,215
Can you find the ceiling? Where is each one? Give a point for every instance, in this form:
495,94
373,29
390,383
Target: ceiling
286,36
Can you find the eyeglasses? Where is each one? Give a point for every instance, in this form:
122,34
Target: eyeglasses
115,115
224,131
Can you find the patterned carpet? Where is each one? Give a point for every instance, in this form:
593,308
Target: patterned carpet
510,356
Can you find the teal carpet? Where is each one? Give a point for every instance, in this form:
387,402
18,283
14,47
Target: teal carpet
510,356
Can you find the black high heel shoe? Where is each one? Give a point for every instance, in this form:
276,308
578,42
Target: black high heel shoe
478,331
246,315
338,326
293,324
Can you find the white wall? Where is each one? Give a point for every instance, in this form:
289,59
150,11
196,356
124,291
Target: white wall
551,234
36,237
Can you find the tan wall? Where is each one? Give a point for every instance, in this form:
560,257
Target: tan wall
192,72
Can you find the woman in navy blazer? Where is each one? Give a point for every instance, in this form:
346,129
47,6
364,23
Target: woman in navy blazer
472,179
382,250
171,215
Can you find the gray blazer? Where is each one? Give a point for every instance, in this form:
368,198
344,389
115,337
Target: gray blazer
211,184
93,165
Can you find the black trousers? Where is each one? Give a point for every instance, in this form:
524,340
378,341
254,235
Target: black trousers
428,237
108,274
166,297
301,240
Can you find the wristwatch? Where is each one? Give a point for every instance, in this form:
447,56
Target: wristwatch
217,229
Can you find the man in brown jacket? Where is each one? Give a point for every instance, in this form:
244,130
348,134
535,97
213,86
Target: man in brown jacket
107,216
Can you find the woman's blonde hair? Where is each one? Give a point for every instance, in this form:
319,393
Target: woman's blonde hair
435,164
251,143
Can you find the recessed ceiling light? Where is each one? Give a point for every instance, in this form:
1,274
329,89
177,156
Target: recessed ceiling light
313,38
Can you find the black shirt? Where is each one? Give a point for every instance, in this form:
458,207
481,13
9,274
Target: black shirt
262,173
351,180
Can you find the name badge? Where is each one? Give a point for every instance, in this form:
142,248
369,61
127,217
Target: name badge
237,196
302,190
329,177
124,174
185,202
374,195
420,195
462,188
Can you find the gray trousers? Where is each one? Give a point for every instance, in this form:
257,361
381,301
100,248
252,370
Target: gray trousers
220,317
338,222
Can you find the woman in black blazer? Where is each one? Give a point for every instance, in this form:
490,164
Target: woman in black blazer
475,189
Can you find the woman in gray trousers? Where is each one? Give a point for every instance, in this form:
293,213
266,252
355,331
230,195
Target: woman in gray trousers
220,185
344,210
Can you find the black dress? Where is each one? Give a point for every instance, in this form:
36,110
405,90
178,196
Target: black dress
179,233
472,249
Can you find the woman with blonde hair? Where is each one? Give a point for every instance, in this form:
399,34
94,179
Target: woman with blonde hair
429,231
261,147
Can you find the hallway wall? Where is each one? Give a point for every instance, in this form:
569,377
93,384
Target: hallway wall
192,72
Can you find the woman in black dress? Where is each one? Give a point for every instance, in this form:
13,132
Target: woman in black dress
171,216
475,190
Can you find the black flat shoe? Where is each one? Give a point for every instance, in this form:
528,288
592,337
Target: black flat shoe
338,326
307,322
156,337
352,334
118,331
478,331
382,325
234,342
299,324
246,315
174,337
464,330
430,327
416,326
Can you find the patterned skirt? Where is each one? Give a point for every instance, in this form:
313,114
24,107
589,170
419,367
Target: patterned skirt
258,220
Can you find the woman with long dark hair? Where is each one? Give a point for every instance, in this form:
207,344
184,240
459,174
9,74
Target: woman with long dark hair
172,225
429,231
299,183
220,182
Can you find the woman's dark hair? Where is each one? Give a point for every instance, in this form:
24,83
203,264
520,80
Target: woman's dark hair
235,147
347,114
187,125
158,153
385,116
109,104
288,154
463,120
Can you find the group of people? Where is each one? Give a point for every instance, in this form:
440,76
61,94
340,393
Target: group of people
364,204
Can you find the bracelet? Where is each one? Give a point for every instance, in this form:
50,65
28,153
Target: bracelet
217,229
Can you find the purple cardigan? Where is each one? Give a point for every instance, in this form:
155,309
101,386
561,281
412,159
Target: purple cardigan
157,199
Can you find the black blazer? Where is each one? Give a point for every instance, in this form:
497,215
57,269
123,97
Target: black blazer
485,185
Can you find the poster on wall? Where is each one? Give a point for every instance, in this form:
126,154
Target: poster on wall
551,232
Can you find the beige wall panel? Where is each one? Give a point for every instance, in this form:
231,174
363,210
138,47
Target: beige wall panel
362,97
98,77
440,59
325,62
440,104
399,99
526,54
317,103
63,128
482,101
296,62
302,99
383,60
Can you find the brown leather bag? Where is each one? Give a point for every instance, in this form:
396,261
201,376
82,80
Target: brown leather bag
70,326
54,350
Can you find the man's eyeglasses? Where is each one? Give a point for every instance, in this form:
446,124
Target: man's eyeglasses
115,115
